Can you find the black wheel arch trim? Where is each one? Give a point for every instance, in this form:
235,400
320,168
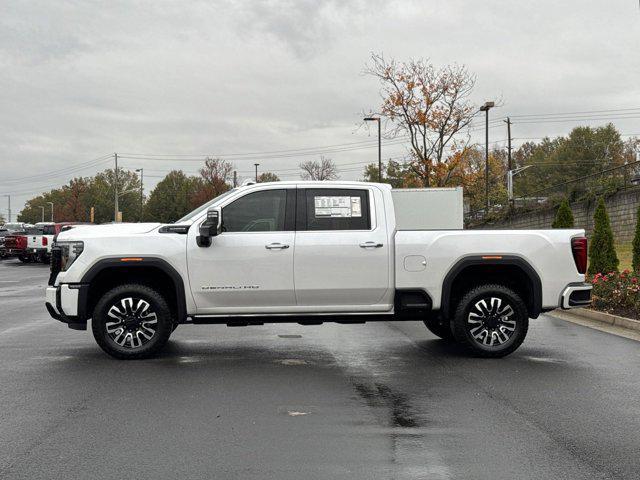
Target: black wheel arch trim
140,262
511,260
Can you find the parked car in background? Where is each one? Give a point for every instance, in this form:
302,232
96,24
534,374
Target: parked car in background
16,226
3,233
28,246
15,245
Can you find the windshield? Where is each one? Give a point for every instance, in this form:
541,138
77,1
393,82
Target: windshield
201,208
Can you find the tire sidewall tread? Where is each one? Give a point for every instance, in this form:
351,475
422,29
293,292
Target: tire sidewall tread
159,304
459,323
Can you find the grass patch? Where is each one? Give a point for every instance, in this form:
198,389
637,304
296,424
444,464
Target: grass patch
625,255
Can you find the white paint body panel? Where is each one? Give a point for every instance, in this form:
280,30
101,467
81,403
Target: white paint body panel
333,270
321,271
547,251
237,273
428,208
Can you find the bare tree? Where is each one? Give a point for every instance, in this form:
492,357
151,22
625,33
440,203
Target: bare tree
323,169
429,105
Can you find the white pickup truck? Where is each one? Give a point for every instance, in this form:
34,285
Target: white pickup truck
310,252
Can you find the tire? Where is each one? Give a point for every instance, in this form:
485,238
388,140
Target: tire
24,258
491,320
439,327
139,325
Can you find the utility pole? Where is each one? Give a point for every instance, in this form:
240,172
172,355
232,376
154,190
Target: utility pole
509,164
235,178
256,164
116,209
9,208
141,170
42,213
51,203
485,108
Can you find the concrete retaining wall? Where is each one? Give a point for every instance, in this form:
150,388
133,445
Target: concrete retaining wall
622,209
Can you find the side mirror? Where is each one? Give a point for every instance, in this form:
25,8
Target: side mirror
209,228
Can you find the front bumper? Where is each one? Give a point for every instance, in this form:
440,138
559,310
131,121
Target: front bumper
576,295
67,303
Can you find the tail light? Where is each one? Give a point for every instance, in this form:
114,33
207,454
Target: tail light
579,249
45,241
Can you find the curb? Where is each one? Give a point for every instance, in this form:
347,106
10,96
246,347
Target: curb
603,317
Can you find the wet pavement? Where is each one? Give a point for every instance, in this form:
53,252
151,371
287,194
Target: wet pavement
380,400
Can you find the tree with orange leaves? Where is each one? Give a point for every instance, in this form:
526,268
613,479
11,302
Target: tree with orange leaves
215,180
431,106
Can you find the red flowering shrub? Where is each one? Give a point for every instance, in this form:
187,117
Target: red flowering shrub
617,293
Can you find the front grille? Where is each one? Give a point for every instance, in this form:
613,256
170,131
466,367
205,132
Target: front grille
56,264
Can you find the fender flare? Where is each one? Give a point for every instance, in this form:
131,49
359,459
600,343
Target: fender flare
511,260
142,262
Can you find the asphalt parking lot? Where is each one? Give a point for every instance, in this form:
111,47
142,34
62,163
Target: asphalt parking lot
381,400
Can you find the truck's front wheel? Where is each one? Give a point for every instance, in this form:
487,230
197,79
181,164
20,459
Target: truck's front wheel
492,320
132,321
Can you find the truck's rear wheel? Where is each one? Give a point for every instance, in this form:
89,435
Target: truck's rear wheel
439,327
25,258
132,321
491,320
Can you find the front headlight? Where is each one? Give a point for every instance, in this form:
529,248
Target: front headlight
69,251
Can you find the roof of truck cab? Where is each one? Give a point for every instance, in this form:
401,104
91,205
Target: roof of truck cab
320,183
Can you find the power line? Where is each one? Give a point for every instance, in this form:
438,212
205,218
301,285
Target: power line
574,113
59,172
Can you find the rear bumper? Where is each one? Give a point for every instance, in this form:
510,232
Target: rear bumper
67,303
576,295
15,252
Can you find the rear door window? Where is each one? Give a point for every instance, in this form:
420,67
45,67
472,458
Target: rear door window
336,209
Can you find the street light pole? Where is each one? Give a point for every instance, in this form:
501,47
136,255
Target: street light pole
8,208
51,203
485,108
256,164
42,213
377,119
141,170
510,175
115,187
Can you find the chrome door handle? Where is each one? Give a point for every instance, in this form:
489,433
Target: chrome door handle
276,246
370,245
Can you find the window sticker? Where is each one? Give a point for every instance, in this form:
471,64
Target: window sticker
337,207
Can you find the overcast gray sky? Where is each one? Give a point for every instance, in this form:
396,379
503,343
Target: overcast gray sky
79,80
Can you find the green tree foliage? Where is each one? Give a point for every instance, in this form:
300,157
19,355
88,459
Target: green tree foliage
602,254
73,202
101,194
636,246
268,177
172,198
559,162
564,216
394,173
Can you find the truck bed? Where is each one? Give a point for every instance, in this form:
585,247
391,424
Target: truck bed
424,258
